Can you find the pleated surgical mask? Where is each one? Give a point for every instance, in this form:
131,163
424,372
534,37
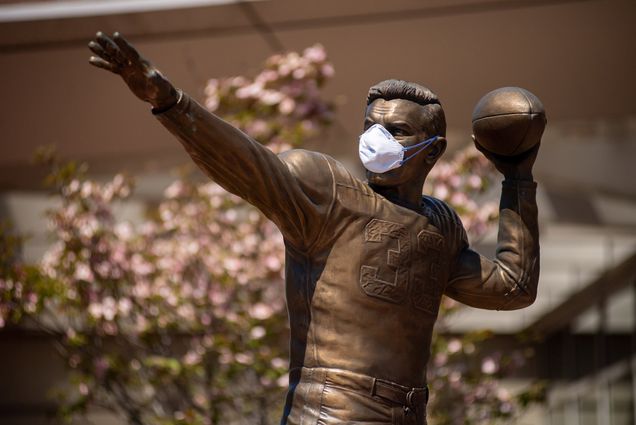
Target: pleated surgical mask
380,152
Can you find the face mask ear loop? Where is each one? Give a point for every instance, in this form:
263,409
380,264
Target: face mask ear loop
422,145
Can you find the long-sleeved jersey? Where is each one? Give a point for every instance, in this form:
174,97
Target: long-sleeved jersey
364,276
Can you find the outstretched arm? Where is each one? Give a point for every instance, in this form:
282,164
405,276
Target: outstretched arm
293,190
510,280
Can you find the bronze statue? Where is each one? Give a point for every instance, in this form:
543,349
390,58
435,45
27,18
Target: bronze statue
366,262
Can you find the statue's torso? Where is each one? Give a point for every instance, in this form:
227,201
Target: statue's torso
366,300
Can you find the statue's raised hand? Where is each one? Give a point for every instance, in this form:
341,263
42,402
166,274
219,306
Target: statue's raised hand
517,167
144,80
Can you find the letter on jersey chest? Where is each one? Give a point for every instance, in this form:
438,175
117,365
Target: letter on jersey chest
403,264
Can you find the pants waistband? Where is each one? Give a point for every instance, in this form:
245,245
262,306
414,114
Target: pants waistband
409,397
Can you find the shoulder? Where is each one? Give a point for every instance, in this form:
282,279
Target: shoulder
300,159
313,172
444,217
313,167
439,210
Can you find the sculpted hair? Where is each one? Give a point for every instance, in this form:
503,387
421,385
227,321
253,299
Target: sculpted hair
399,89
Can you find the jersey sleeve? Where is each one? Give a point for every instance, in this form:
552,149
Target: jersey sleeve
295,189
509,281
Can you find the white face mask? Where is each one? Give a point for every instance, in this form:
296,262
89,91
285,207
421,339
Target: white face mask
380,152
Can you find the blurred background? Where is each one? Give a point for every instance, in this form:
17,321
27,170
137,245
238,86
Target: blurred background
577,56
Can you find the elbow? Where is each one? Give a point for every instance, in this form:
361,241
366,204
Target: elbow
520,297
518,302
523,292
526,299
528,287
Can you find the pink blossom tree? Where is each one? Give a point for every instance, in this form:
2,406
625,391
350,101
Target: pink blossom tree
181,319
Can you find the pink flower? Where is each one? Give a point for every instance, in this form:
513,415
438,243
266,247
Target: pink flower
73,187
244,358
206,319
503,394
174,190
273,263
83,388
231,215
270,97
459,199
141,324
253,90
191,358
124,305
441,359
299,73
238,81
212,87
315,53
261,311
283,381
141,289
231,264
88,188
186,311
123,230
109,308
474,181
278,363
212,103
257,332
103,269
286,106
256,128
488,366
140,266
218,297
83,272
441,191
266,76
95,310
327,70
454,345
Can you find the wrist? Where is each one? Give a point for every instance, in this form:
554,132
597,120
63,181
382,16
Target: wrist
166,102
519,176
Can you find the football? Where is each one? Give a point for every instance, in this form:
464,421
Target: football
508,121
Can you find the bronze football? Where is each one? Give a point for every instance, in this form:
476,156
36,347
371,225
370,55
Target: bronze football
508,121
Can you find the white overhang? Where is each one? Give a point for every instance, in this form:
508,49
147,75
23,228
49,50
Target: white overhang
20,12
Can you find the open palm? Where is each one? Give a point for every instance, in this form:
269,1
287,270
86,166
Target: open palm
144,80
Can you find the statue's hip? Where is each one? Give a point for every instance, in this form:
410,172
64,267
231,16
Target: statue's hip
329,396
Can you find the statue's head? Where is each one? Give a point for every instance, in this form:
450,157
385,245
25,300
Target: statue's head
412,114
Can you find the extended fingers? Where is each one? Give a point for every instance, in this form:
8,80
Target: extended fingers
125,47
103,58
98,50
113,53
101,63
110,48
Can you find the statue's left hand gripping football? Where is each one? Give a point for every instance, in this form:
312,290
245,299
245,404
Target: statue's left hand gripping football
517,167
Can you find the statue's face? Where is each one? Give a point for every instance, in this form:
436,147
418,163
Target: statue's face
405,120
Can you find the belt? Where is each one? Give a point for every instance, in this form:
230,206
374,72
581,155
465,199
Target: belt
412,398
409,398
